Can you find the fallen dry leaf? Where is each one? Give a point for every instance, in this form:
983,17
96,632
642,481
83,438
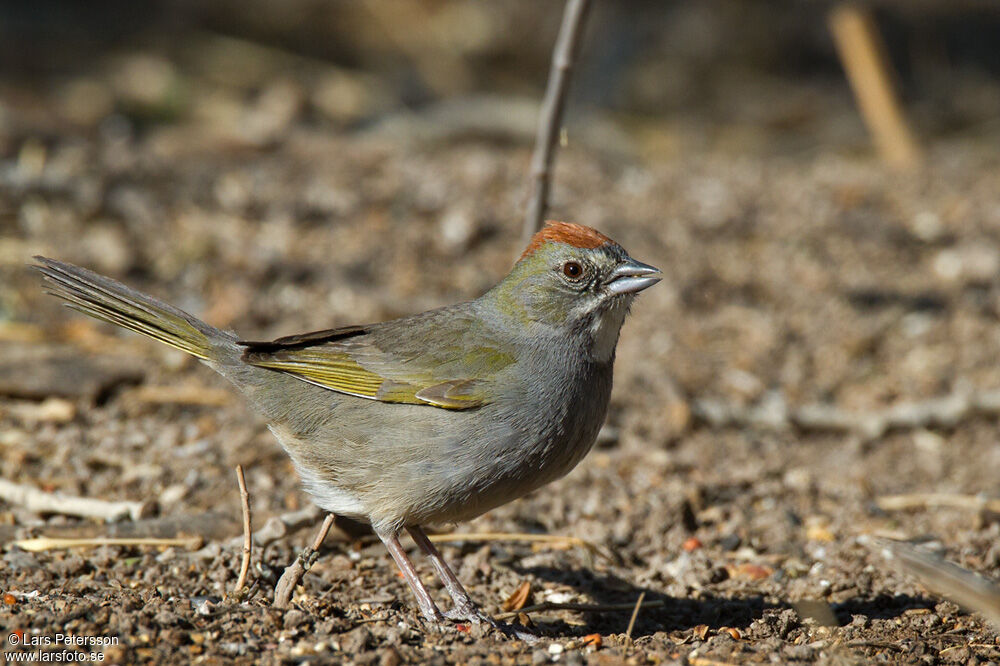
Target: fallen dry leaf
519,599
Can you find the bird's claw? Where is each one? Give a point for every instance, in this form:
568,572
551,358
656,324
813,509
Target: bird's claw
471,613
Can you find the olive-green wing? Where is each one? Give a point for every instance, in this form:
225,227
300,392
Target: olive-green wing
351,361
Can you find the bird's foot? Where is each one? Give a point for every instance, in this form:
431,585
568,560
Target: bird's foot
433,617
470,612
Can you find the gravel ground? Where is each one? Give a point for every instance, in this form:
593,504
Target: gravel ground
790,281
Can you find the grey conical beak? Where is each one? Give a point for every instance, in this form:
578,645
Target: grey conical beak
631,276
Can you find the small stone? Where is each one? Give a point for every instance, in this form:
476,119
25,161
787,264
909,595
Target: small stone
976,263
294,618
926,225
730,542
390,657
18,560
173,494
457,230
356,641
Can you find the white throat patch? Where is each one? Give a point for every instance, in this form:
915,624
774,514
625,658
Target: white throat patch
605,329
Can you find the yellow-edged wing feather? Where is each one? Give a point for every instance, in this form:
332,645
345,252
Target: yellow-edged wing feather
337,360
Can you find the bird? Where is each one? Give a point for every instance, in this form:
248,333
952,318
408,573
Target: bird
431,418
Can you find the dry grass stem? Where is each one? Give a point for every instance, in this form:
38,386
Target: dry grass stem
54,543
635,616
926,500
526,537
201,396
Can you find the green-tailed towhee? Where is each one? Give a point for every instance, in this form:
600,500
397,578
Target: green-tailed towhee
435,417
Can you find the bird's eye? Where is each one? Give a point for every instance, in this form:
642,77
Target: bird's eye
572,269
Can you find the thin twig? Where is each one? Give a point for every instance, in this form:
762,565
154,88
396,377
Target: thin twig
247,532
579,608
563,57
54,543
527,537
40,501
635,615
293,573
923,500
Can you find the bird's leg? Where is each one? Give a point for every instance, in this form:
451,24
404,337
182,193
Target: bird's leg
427,607
465,608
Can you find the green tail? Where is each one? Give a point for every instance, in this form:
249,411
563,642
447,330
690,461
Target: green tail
113,302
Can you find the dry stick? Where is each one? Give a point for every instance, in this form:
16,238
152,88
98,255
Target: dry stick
863,56
579,608
39,501
247,533
293,574
563,57
635,614
944,411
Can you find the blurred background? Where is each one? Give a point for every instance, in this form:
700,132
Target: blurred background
818,181
670,77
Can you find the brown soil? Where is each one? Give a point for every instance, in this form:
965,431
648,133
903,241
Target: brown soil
817,279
